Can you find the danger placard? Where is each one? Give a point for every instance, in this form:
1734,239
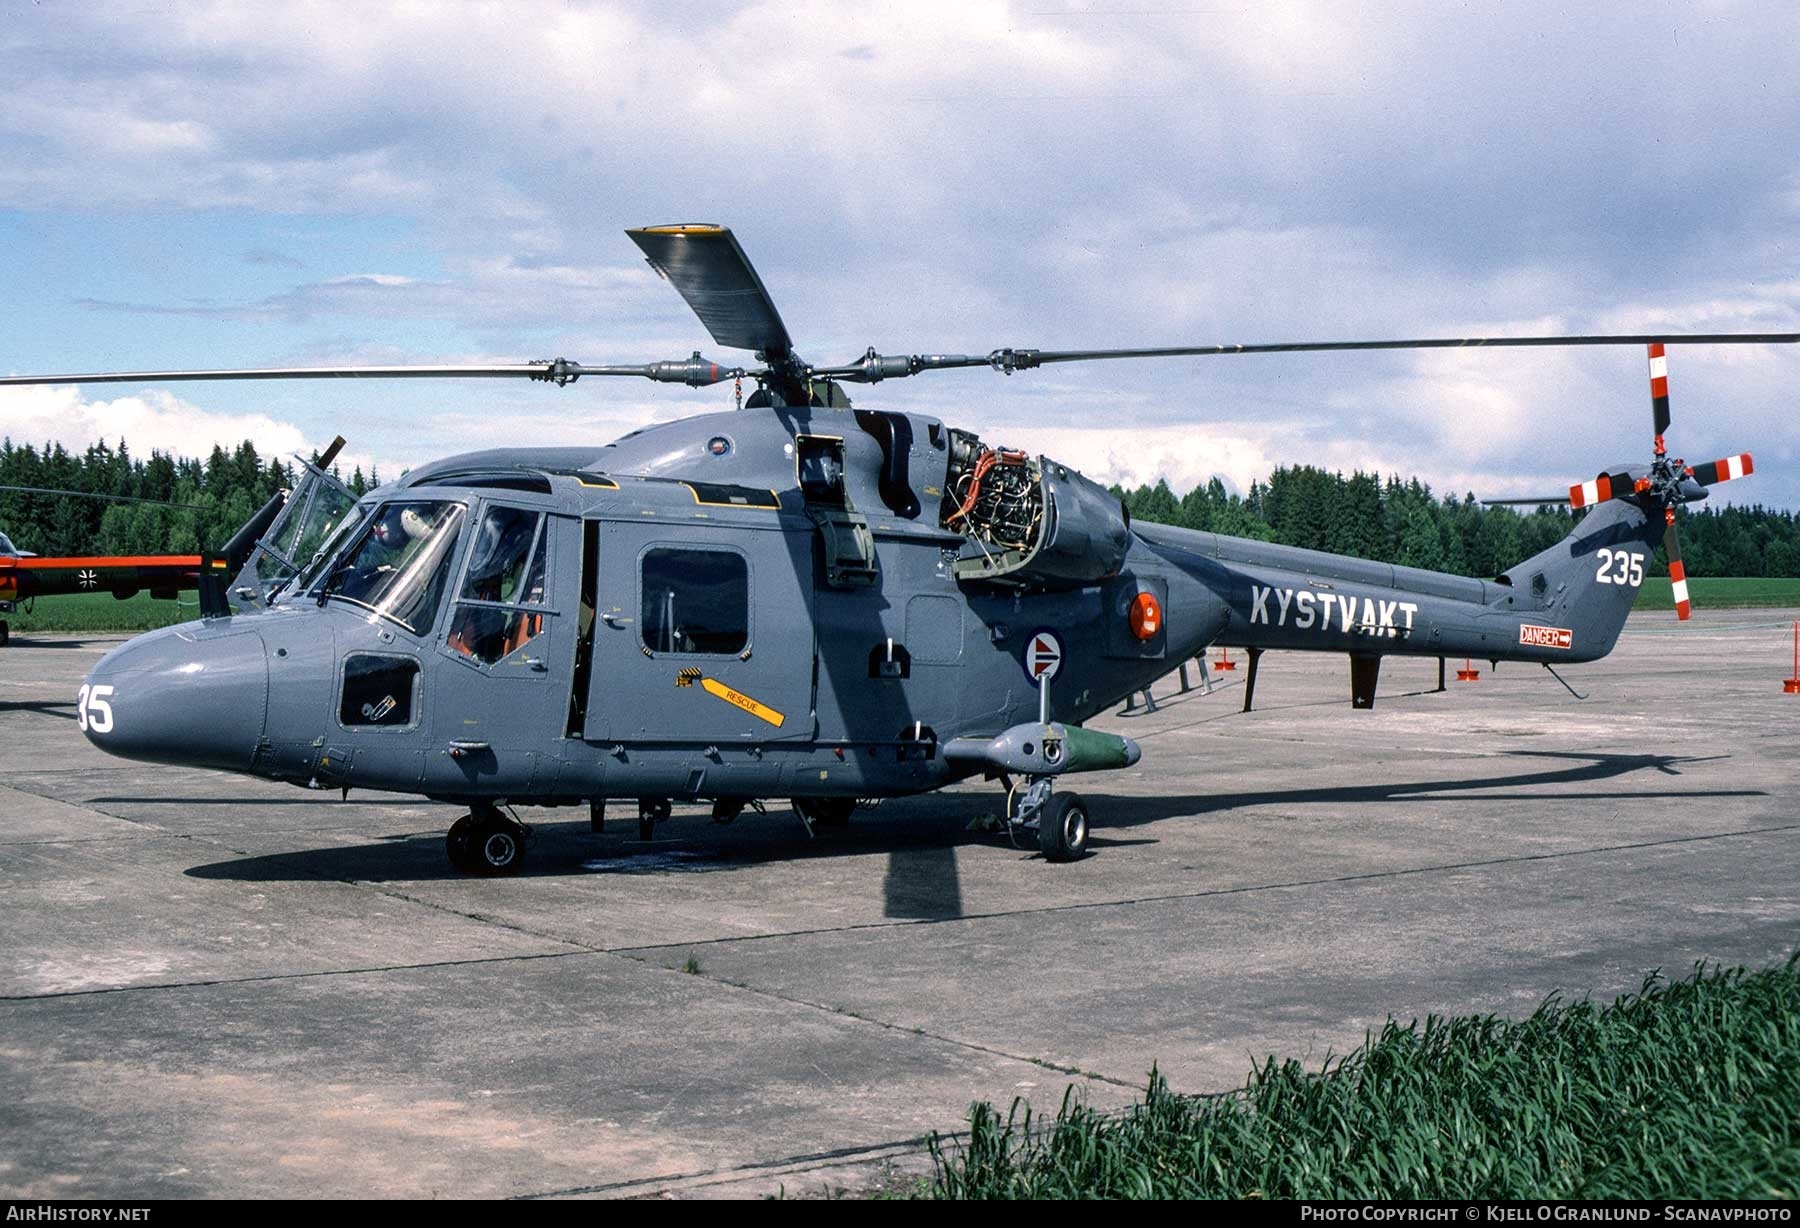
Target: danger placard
1043,656
1546,637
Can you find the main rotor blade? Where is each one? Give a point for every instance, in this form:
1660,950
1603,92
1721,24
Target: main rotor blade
1038,357
696,372
872,368
83,494
712,273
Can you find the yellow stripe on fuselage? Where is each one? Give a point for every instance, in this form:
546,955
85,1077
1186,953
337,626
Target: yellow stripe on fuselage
739,699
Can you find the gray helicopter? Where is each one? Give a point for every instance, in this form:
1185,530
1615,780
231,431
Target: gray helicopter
796,599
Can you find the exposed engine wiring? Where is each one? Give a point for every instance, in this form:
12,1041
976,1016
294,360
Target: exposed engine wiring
1000,500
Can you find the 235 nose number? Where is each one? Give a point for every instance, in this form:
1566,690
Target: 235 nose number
92,712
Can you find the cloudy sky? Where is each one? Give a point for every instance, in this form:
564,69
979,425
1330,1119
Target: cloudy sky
185,185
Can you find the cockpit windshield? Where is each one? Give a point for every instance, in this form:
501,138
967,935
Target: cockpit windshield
314,568
315,511
401,563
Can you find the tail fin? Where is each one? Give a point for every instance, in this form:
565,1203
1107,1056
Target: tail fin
1586,583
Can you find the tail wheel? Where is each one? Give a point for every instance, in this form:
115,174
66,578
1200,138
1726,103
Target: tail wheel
825,811
1063,828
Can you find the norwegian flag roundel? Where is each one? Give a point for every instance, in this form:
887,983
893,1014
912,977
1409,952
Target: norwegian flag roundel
1043,656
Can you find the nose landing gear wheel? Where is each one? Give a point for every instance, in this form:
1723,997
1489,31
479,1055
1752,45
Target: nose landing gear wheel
1063,828
489,845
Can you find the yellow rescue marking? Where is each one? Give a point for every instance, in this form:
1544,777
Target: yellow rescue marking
712,686
763,711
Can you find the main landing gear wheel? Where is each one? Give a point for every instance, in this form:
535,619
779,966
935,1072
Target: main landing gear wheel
457,844
825,811
4,633
489,845
651,811
1063,827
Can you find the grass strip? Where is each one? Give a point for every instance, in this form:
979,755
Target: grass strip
1689,1089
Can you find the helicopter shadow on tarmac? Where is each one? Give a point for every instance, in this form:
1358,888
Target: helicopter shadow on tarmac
64,708
921,881
1582,768
919,836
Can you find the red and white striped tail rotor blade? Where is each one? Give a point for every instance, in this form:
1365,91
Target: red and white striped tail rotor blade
1600,489
1590,492
1714,472
1659,392
1677,573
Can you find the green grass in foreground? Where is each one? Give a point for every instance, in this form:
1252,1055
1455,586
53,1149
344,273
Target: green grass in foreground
1684,1090
1722,593
101,612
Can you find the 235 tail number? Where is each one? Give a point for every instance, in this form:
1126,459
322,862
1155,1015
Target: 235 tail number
1620,567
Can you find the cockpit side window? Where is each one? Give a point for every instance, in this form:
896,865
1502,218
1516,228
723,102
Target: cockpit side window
401,565
504,587
498,560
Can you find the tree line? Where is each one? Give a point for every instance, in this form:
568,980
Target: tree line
216,495
1397,521
1363,515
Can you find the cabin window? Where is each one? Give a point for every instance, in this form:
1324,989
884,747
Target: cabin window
695,601
506,571
378,690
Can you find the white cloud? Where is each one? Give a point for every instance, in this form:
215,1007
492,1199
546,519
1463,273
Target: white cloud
967,174
156,421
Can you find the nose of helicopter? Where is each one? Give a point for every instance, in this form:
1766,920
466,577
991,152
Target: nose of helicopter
195,695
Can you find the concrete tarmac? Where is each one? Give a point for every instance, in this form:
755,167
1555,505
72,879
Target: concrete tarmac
213,986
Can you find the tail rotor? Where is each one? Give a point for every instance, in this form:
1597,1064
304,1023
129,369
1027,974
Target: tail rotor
1667,483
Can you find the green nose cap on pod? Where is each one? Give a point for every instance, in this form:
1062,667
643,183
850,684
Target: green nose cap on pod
1089,750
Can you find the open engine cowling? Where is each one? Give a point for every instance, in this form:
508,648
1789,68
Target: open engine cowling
1032,522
